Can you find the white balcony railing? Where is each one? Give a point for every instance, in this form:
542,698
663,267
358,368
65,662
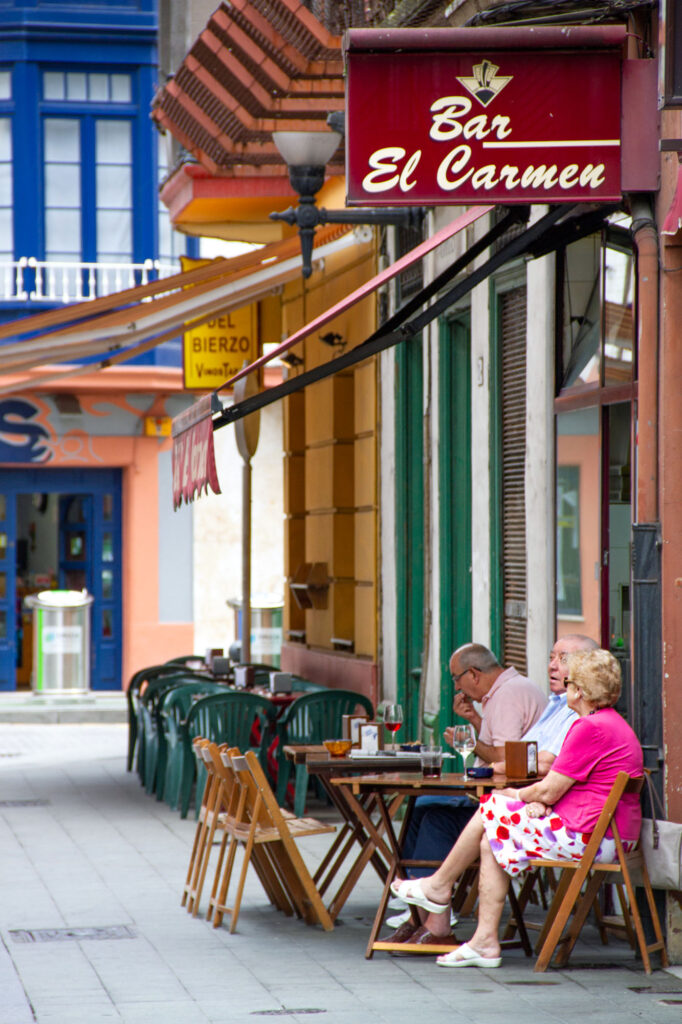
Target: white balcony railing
29,279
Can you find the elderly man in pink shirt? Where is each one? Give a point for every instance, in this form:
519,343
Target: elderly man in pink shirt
510,702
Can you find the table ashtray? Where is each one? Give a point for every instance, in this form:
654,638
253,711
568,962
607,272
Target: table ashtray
410,748
479,773
338,748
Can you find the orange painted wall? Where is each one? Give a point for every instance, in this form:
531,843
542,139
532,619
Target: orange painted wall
145,640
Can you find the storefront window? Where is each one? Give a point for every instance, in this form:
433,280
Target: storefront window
3,507
107,547
107,583
578,536
76,510
3,545
581,320
107,624
569,599
3,586
76,547
3,625
618,311
597,331
107,507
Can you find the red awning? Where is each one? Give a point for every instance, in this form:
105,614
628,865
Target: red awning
194,466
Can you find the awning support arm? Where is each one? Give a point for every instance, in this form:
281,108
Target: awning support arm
398,328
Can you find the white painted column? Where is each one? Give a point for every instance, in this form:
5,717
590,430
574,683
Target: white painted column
540,459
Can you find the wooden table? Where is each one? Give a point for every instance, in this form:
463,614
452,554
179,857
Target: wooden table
359,824
389,790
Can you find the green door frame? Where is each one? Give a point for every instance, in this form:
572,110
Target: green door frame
409,518
454,488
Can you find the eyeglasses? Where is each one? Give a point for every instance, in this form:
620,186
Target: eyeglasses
562,657
567,681
456,678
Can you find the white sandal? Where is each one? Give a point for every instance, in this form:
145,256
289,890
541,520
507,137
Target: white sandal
410,890
465,956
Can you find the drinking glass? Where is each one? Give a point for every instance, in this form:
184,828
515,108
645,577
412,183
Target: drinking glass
464,741
393,719
432,761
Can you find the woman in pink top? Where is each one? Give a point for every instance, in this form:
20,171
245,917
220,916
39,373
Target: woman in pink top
552,818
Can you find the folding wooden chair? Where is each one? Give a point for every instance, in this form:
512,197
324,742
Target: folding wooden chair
580,881
235,827
268,837
211,804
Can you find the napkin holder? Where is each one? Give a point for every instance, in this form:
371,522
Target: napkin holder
244,676
371,737
350,727
521,759
281,682
221,666
211,654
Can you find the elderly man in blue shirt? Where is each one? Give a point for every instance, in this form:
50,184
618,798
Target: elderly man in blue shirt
438,825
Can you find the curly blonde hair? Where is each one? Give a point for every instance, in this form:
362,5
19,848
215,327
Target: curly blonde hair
598,675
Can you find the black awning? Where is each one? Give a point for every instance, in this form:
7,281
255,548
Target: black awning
543,236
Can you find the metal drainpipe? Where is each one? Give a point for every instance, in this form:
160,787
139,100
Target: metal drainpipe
645,237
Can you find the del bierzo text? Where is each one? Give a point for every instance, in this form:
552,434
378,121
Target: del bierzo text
391,166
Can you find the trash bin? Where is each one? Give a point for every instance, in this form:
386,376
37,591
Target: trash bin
61,641
266,628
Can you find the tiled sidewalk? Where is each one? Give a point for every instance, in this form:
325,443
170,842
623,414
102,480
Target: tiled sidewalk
83,847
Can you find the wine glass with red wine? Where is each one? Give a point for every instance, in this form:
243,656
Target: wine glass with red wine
393,719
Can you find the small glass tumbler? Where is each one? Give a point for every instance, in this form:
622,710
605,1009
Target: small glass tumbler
432,762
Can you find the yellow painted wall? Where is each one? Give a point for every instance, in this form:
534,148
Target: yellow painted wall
330,466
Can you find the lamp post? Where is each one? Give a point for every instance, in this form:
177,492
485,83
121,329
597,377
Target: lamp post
306,154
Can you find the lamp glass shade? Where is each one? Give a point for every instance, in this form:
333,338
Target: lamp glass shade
306,148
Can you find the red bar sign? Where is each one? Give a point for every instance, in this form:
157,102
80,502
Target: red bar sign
194,466
482,126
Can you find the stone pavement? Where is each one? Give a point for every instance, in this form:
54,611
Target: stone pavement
91,927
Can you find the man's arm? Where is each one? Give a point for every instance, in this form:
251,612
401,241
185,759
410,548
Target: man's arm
545,761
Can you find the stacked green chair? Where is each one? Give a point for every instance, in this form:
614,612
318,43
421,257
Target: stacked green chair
173,709
133,698
312,718
150,736
221,718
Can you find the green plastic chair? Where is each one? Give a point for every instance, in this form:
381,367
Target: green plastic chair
150,738
174,707
221,718
312,718
133,701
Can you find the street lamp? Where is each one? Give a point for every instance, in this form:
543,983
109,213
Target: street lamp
306,154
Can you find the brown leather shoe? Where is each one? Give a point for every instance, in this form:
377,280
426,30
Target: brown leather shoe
423,937
403,933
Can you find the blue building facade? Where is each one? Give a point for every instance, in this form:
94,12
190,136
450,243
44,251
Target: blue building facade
80,217
79,160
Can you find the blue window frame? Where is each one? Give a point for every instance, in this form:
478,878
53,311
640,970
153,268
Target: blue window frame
6,170
89,166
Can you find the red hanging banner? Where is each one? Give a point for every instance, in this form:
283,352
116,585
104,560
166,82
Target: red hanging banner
476,116
194,466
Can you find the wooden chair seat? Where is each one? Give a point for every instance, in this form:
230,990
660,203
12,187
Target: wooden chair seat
580,881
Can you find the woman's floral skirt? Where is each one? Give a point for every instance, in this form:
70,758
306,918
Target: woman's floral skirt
517,840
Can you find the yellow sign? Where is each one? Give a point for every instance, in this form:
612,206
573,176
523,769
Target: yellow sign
216,350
